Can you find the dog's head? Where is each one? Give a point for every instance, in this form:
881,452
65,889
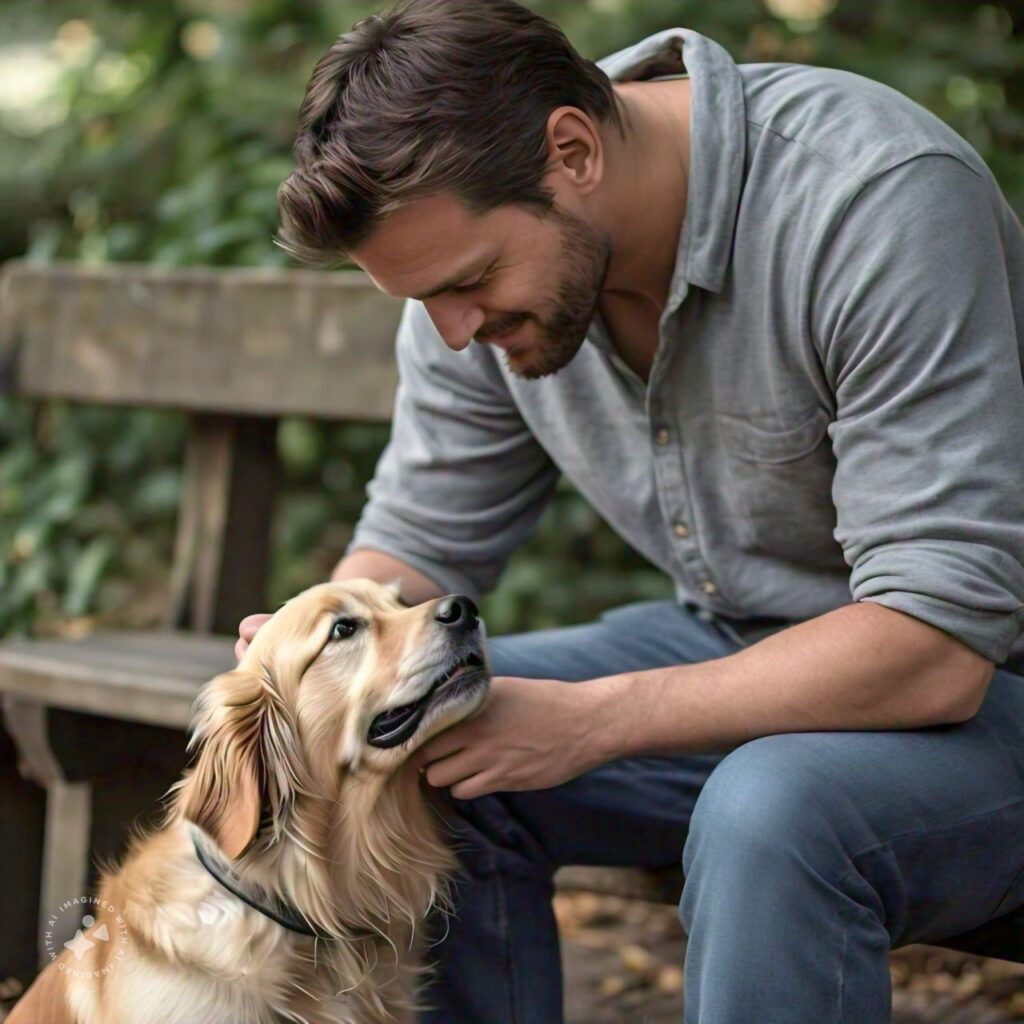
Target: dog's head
343,679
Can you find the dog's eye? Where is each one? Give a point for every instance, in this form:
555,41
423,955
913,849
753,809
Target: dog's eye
344,628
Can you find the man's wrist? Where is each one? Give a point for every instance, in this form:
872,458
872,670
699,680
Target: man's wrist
611,734
633,712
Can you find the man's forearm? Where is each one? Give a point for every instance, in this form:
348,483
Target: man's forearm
861,667
376,565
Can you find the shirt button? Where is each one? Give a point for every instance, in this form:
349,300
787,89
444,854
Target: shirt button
661,436
709,587
681,530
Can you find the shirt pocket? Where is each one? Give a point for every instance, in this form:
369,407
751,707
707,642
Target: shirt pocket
779,486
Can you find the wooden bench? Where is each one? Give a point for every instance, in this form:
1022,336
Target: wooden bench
235,351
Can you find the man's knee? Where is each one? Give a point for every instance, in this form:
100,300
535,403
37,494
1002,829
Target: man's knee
769,800
779,829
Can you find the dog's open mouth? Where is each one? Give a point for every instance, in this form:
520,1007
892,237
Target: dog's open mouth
396,725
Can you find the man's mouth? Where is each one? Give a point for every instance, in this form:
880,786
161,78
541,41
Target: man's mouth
504,342
501,331
396,725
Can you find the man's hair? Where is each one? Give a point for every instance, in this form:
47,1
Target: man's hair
430,96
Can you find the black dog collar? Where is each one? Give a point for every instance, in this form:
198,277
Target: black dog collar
277,910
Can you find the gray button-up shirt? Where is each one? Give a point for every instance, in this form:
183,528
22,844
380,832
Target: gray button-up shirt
836,408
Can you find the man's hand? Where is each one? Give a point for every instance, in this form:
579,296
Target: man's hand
247,629
530,734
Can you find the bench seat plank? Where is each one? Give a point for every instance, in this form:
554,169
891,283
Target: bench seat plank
148,677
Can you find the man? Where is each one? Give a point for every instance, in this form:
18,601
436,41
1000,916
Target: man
765,318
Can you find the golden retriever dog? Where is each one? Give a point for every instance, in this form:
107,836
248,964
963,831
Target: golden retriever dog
322,854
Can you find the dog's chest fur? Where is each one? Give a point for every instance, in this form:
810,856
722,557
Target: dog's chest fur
197,953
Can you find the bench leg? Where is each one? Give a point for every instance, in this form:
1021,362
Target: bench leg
68,817
65,858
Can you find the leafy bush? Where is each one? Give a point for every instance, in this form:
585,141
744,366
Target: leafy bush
87,498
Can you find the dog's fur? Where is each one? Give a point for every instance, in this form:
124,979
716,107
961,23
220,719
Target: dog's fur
285,789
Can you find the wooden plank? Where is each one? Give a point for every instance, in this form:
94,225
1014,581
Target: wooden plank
168,657
65,858
68,815
151,678
222,551
254,342
26,725
201,517
239,577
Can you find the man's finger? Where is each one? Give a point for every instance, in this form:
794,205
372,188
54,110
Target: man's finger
251,625
450,770
471,788
445,745
241,646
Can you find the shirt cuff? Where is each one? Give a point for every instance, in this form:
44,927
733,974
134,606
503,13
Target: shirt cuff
966,590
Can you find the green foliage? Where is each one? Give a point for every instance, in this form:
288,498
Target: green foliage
87,498
159,132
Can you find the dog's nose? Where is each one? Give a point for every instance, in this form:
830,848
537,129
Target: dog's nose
457,612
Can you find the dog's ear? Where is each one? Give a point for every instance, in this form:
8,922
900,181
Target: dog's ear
394,588
223,793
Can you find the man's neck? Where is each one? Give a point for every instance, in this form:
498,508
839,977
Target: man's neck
648,171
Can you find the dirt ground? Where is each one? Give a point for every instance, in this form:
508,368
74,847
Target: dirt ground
623,965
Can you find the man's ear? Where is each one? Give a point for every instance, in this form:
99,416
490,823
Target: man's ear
575,149
223,793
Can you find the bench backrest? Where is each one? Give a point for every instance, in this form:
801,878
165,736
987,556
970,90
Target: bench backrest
235,350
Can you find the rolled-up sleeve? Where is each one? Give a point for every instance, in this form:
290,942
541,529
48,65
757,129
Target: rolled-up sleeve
462,480
913,321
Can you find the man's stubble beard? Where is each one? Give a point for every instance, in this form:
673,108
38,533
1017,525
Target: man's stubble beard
586,254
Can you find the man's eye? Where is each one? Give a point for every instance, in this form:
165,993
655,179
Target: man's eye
462,288
344,628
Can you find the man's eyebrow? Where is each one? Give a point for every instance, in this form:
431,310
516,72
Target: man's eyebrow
475,269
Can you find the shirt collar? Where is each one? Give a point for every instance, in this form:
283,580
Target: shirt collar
717,145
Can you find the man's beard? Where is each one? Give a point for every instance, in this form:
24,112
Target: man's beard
585,255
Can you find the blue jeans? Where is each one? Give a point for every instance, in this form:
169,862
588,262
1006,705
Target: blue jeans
807,856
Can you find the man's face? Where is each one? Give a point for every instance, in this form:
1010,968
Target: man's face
525,283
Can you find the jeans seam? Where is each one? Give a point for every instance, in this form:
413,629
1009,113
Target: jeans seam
849,911
842,968
506,947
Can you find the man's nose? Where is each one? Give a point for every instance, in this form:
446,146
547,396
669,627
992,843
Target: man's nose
456,320
457,612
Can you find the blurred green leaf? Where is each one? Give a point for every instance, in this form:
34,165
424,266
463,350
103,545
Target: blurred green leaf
85,575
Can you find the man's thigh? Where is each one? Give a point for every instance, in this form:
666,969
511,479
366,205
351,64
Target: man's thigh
647,634
928,822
